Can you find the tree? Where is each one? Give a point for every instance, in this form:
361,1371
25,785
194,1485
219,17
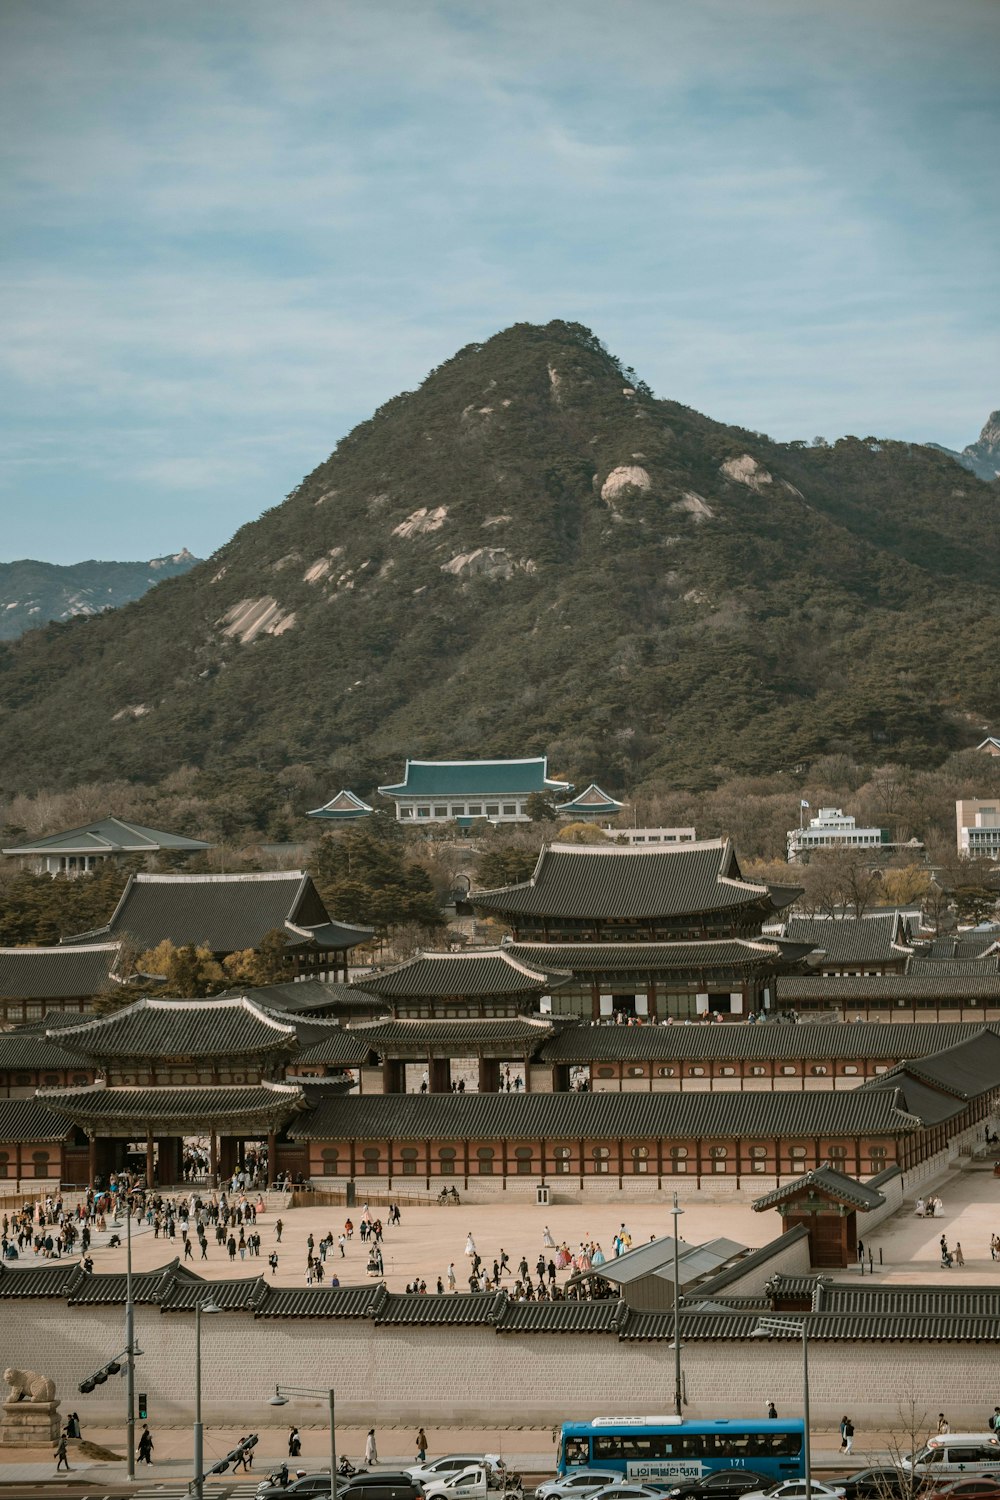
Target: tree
906,884
504,864
264,964
190,972
581,833
540,809
365,875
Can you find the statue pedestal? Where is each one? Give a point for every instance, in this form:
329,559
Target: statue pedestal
29,1424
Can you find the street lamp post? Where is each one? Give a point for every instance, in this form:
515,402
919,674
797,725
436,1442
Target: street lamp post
790,1327
280,1398
678,1402
129,1342
199,1431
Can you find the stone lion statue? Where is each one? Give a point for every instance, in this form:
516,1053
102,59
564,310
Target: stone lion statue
28,1385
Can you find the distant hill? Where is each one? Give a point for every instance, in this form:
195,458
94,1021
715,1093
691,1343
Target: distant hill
33,593
982,456
532,553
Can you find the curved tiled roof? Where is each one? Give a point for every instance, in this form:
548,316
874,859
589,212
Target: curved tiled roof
601,1116
153,1028
30,1120
829,1183
608,881
765,1041
200,1106
321,1301
57,973
629,958
911,989
24,1051
225,913
109,836
853,940
484,973
475,778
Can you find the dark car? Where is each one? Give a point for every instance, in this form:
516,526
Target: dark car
724,1484
375,1486
876,1484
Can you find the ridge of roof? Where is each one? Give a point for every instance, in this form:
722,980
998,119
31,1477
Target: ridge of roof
174,1005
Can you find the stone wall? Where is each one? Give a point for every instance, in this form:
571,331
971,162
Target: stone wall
454,1376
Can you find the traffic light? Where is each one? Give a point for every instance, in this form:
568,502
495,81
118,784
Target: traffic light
143,1412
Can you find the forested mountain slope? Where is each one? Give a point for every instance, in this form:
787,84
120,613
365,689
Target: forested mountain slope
33,592
532,553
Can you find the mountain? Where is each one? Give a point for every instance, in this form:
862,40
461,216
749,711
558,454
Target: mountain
983,456
532,553
32,593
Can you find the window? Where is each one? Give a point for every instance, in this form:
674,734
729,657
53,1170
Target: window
458,810
440,812
850,1068
522,1156
637,1072
697,1072
818,1070
562,1156
678,1152
718,1151
728,1072
639,1155
510,809
493,809
330,1156
797,1152
758,1152
409,1156
836,1150
446,1161
758,1071
664,1072
475,809
485,1155
371,1158
423,812
600,1155
876,1151
789,1069
605,1072
40,1158
406,812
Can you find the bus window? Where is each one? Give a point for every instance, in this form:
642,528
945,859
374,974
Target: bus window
578,1451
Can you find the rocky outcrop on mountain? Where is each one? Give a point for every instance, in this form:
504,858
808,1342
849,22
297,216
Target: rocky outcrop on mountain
532,553
982,456
33,593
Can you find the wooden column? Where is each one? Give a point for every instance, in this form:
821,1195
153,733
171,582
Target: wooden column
213,1158
150,1168
272,1154
91,1158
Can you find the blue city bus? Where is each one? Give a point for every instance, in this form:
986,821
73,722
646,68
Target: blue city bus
671,1447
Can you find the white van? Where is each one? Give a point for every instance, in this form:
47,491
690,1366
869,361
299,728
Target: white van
956,1453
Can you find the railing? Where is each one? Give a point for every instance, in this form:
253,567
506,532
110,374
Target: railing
337,1197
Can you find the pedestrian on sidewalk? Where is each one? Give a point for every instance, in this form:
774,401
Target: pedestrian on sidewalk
145,1449
943,1426
371,1448
421,1445
772,1412
959,1257
61,1453
846,1434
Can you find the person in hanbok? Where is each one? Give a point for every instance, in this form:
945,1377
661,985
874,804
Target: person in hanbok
547,1239
470,1246
598,1257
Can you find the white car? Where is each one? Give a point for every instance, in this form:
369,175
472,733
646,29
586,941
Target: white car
627,1489
578,1485
795,1489
447,1465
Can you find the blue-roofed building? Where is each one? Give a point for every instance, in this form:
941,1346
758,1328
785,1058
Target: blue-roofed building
437,791
590,806
345,807
83,849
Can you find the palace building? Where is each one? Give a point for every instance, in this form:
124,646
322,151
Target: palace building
662,931
438,791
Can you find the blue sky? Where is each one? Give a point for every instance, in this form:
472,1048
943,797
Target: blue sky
229,231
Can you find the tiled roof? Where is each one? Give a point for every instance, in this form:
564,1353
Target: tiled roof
600,1116
202,1105
827,1183
716,1284
225,913
148,1287
910,988
489,972
956,968
306,996
766,1041
27,1050
468,1308
346,1049
642,958
445,1036
343,808
562,1317
960,946
852,940
108,836
231,1296
153,1028
591,800
321,1301
30,1120
57,973
608,881
45,1279
935,1087
476,778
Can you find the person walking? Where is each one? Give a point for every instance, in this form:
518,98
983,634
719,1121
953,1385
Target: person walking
278,1227
294,1443
772,1412
61,1452
959,1257
994,1422
861,1251
943,1425
145,1448
371,1448
451,1276
846,1434
421,1444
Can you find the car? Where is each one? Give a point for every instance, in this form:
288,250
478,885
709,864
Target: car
577,1485
448,1463
627,1489
875,1484
723,1484
311,1487
795,1489
956,1454
971,1487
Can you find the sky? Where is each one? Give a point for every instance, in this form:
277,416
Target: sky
229,231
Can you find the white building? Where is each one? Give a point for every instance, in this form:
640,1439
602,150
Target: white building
646,836
833,829
437,791
978,827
